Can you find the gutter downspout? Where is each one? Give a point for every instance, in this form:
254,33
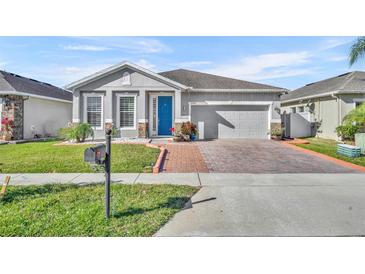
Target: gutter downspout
339,109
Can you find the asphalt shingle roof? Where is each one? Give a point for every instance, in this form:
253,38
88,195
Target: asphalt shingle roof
351,82
13,82
200,80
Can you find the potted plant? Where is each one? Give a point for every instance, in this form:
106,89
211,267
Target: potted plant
7,128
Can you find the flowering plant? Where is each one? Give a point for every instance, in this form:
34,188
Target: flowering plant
172,130
7,125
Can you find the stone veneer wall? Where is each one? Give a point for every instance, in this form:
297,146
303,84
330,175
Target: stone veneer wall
14,111
142,130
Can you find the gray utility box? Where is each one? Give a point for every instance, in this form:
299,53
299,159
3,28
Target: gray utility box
95,155
360,141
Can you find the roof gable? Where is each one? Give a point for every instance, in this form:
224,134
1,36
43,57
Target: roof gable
351,82
10,82
200,80
123,65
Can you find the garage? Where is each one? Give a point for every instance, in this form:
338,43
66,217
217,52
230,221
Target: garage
231,121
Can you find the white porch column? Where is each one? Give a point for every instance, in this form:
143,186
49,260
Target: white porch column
76,107
142,121
177,104
108,106
141,106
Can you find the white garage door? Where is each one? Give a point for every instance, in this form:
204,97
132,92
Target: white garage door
231,121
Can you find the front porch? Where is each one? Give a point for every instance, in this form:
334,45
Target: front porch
137,103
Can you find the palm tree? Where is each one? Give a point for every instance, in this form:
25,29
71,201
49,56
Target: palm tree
357,50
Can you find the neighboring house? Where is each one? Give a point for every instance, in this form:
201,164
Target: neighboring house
34,107
142,103
325,103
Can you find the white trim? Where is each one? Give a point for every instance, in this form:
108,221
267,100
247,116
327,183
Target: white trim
135,112
215,103
275,120
117,67
75,120
182,119
108,120
85,95
153,133
156,95
142,120
34,95
237,90
309,97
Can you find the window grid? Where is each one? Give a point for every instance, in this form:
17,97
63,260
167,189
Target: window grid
94,111
127,111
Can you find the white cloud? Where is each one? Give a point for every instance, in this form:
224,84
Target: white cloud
266,66
192,64
337,58
333,43
59,75
145,64
85,48
138,45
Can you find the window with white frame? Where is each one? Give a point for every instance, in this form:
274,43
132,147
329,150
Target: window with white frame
127,112
301,109
94,110
293,110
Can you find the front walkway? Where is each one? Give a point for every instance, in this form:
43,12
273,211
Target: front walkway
184,157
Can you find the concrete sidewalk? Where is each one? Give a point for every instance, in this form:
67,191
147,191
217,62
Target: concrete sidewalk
274,205
249,204
194,179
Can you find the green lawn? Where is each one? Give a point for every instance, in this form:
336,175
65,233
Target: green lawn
71,210
41,157
328,147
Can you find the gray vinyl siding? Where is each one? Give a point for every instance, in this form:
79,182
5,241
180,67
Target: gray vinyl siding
187,97
328,111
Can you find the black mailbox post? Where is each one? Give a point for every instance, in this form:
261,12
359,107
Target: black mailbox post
100,155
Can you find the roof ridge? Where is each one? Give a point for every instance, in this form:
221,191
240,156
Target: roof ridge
349,78
220,76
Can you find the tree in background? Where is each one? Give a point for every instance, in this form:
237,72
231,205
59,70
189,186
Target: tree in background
357,50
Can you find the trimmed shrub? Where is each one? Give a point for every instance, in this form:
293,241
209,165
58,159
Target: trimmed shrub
347,131
78,132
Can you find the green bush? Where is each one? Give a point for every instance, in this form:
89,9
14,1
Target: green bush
78,132
356,117
277,132
347,131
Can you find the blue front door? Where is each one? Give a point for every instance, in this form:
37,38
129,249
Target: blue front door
164,115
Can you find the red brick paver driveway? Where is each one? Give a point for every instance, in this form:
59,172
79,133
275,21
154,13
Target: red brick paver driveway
183,157
263,156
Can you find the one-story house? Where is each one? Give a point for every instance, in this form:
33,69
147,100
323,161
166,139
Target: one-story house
325,103
35,108
141,103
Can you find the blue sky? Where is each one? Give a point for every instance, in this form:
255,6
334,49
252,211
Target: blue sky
288,62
